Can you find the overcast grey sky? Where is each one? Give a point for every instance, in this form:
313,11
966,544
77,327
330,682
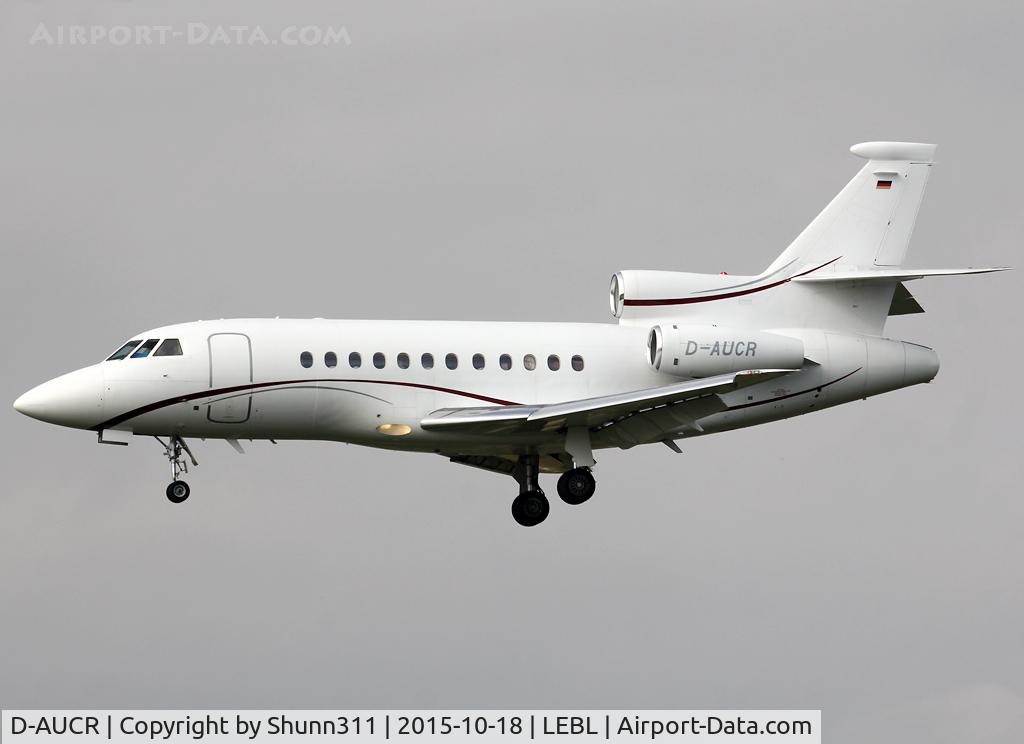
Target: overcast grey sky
475,160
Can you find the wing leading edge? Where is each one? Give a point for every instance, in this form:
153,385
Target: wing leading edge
890,275
590,412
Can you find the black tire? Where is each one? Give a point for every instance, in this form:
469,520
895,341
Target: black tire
178,491
576,486
530,508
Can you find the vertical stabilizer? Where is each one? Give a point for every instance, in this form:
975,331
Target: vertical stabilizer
870,221
843,273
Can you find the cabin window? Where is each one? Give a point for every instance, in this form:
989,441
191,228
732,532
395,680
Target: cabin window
169,347
505,362
143,351
554,363
355,360
124,351
403,361
451,361
306,359
427,360
330,359
577,362
478,361
530,362
378,360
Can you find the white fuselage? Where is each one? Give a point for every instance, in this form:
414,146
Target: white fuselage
690,354
246,379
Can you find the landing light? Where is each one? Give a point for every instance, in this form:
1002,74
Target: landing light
395,430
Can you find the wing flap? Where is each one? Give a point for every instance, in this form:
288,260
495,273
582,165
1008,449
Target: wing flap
597,411
590,412
506,464
659,424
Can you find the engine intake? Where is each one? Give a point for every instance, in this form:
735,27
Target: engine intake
706,350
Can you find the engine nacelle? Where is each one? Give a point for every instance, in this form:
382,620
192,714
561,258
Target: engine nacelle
706,350
632,291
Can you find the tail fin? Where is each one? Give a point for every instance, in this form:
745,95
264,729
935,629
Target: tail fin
869,223
843,273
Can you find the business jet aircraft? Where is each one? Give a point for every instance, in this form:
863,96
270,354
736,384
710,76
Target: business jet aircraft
691,354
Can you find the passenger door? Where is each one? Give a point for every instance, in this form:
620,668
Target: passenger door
230,366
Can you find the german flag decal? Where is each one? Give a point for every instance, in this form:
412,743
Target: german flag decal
883,185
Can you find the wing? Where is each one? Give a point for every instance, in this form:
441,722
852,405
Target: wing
596,412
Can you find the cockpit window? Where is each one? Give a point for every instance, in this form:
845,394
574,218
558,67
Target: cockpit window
124,350
144,350
170,347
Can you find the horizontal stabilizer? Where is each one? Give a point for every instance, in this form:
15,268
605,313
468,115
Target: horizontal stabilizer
890,275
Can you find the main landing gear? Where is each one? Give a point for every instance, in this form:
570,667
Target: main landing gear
576,486
531,506
174,450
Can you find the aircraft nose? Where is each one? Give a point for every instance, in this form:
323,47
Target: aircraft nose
74,399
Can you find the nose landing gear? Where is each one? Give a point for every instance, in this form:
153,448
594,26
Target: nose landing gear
178,491
174,450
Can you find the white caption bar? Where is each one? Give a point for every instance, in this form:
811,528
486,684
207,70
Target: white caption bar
420,726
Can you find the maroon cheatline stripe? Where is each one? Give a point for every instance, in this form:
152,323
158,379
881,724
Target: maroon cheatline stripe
150,407
497,401
725,296
793,395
